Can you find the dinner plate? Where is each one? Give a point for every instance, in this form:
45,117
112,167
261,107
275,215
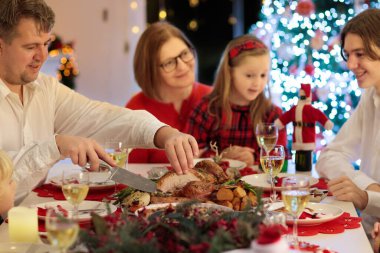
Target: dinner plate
157,207
233,163
261,180
98,181
84,208
13,247
326,211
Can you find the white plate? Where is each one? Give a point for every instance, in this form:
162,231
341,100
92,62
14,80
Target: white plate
328,212
156,207
97,181
233,163
83,216
260,180
12,247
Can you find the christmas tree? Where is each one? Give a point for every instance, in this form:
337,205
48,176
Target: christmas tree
305,48
67,70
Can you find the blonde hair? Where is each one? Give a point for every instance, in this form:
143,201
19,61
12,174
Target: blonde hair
219,97
6,169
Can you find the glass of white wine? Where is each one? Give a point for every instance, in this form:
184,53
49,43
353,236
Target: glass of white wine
295,197
272,162
118,151
61,231
266,135
75,188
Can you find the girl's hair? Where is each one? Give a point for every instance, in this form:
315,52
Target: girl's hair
146,60
6,169
366,26
234,53
11,11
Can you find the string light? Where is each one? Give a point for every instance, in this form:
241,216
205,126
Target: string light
193,25
162,15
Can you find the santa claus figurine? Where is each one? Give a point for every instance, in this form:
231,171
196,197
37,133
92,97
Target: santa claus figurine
304,117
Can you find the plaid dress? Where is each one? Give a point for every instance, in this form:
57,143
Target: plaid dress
241,132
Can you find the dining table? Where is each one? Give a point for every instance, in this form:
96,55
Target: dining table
350,241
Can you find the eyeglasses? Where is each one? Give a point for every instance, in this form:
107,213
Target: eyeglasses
171,64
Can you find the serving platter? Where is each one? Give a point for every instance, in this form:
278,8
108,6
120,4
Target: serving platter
152,208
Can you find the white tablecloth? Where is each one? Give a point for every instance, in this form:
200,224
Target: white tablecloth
350,241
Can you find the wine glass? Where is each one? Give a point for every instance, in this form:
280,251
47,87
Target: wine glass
295,197
61,231
75,188
118,151
266,135
272,162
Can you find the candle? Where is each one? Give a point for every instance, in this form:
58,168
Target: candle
23,224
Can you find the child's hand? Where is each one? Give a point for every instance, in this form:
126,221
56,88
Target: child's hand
244,154
376,237
376,230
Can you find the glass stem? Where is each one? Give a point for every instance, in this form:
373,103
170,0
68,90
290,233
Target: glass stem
76,212
273,195
295,232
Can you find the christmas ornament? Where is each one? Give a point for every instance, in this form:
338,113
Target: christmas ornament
285,52
305,8
317,42
309,69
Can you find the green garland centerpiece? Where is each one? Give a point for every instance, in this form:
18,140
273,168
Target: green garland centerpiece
187,227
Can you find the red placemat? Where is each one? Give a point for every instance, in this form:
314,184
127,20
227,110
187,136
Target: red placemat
336,226
52,191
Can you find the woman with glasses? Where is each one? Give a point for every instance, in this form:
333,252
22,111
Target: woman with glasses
164,68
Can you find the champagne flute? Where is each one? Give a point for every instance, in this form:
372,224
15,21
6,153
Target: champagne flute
295,197
75,189
272,162
266,135
61,231
118,151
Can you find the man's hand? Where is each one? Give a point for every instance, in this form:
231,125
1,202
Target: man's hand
244,154
180,148
344,189
82,150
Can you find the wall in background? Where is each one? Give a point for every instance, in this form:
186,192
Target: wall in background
104,44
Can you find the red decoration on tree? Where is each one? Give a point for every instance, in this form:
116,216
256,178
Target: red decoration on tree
309,69
305,8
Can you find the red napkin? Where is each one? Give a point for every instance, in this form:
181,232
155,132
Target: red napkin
336,226
52,191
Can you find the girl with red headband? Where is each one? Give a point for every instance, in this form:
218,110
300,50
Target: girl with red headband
240,100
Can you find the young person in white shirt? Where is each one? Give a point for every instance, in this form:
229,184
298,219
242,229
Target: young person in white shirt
359,138
43,121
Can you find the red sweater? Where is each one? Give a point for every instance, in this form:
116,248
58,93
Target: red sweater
166,113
